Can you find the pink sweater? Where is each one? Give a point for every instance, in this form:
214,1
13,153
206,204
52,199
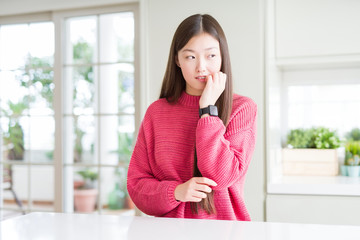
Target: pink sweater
163,157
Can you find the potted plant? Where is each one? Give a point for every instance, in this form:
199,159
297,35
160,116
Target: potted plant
352,140
311,152
85,194
14,137
352,159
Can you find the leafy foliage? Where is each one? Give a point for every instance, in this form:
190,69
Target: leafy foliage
124,150
89,176
14,137
320,138
323,138
354,135
299,138
352,147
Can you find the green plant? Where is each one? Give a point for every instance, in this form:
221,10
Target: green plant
89,176
320,138
124,150
39,78
353,135
14,137
324,138
352,153
299,138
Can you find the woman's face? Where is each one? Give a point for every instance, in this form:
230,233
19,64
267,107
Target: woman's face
199,58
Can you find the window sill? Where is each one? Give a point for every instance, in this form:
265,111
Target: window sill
315,185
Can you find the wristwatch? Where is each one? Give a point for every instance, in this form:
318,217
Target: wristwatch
211,110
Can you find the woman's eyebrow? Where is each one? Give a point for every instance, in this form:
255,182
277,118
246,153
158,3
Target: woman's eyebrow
211,48
187,50
206,49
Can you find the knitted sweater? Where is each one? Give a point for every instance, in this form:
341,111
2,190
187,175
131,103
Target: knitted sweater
164,153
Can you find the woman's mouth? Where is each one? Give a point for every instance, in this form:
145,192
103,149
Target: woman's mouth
201,78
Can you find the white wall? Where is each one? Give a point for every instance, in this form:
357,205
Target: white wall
311,28
242,21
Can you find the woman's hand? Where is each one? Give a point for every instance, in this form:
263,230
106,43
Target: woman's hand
194,190
215,85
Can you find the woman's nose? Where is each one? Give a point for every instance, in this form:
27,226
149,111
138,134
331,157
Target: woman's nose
201,66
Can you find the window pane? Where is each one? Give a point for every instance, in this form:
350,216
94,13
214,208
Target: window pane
16,178
41,41
332,106
79,141
116,139
80,90
14,46
117,37
84,139
85,182
117,88
15,138
42,134
41,89
114,196
13,94
42,187
81,37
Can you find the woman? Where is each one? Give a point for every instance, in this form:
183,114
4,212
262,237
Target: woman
195,143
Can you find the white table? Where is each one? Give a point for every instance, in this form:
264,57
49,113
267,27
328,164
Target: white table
48,226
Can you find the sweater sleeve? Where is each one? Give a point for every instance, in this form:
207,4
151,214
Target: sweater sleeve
150,195
224,153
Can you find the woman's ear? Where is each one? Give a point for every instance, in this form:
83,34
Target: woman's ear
177,61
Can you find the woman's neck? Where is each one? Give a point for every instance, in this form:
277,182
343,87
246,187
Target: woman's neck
189,100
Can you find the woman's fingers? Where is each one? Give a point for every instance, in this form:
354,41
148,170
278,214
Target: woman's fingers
199,194
194,189
204,180
195,199
215,85
203,188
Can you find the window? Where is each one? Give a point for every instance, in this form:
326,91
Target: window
67,116
99,104
27,115
322,97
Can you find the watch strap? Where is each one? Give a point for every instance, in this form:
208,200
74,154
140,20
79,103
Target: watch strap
211,110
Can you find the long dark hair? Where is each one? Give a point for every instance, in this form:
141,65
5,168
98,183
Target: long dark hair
174,83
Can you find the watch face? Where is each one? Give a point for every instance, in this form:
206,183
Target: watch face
213,110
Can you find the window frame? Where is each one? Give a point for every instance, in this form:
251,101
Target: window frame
59,18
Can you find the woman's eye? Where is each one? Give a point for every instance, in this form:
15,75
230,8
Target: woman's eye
212,55
190,57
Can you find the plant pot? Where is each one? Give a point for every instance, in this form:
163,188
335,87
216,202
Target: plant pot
353,171
310,162
78,184
344,170
85,200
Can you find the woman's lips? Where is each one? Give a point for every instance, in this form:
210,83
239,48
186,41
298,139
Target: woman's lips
201,78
